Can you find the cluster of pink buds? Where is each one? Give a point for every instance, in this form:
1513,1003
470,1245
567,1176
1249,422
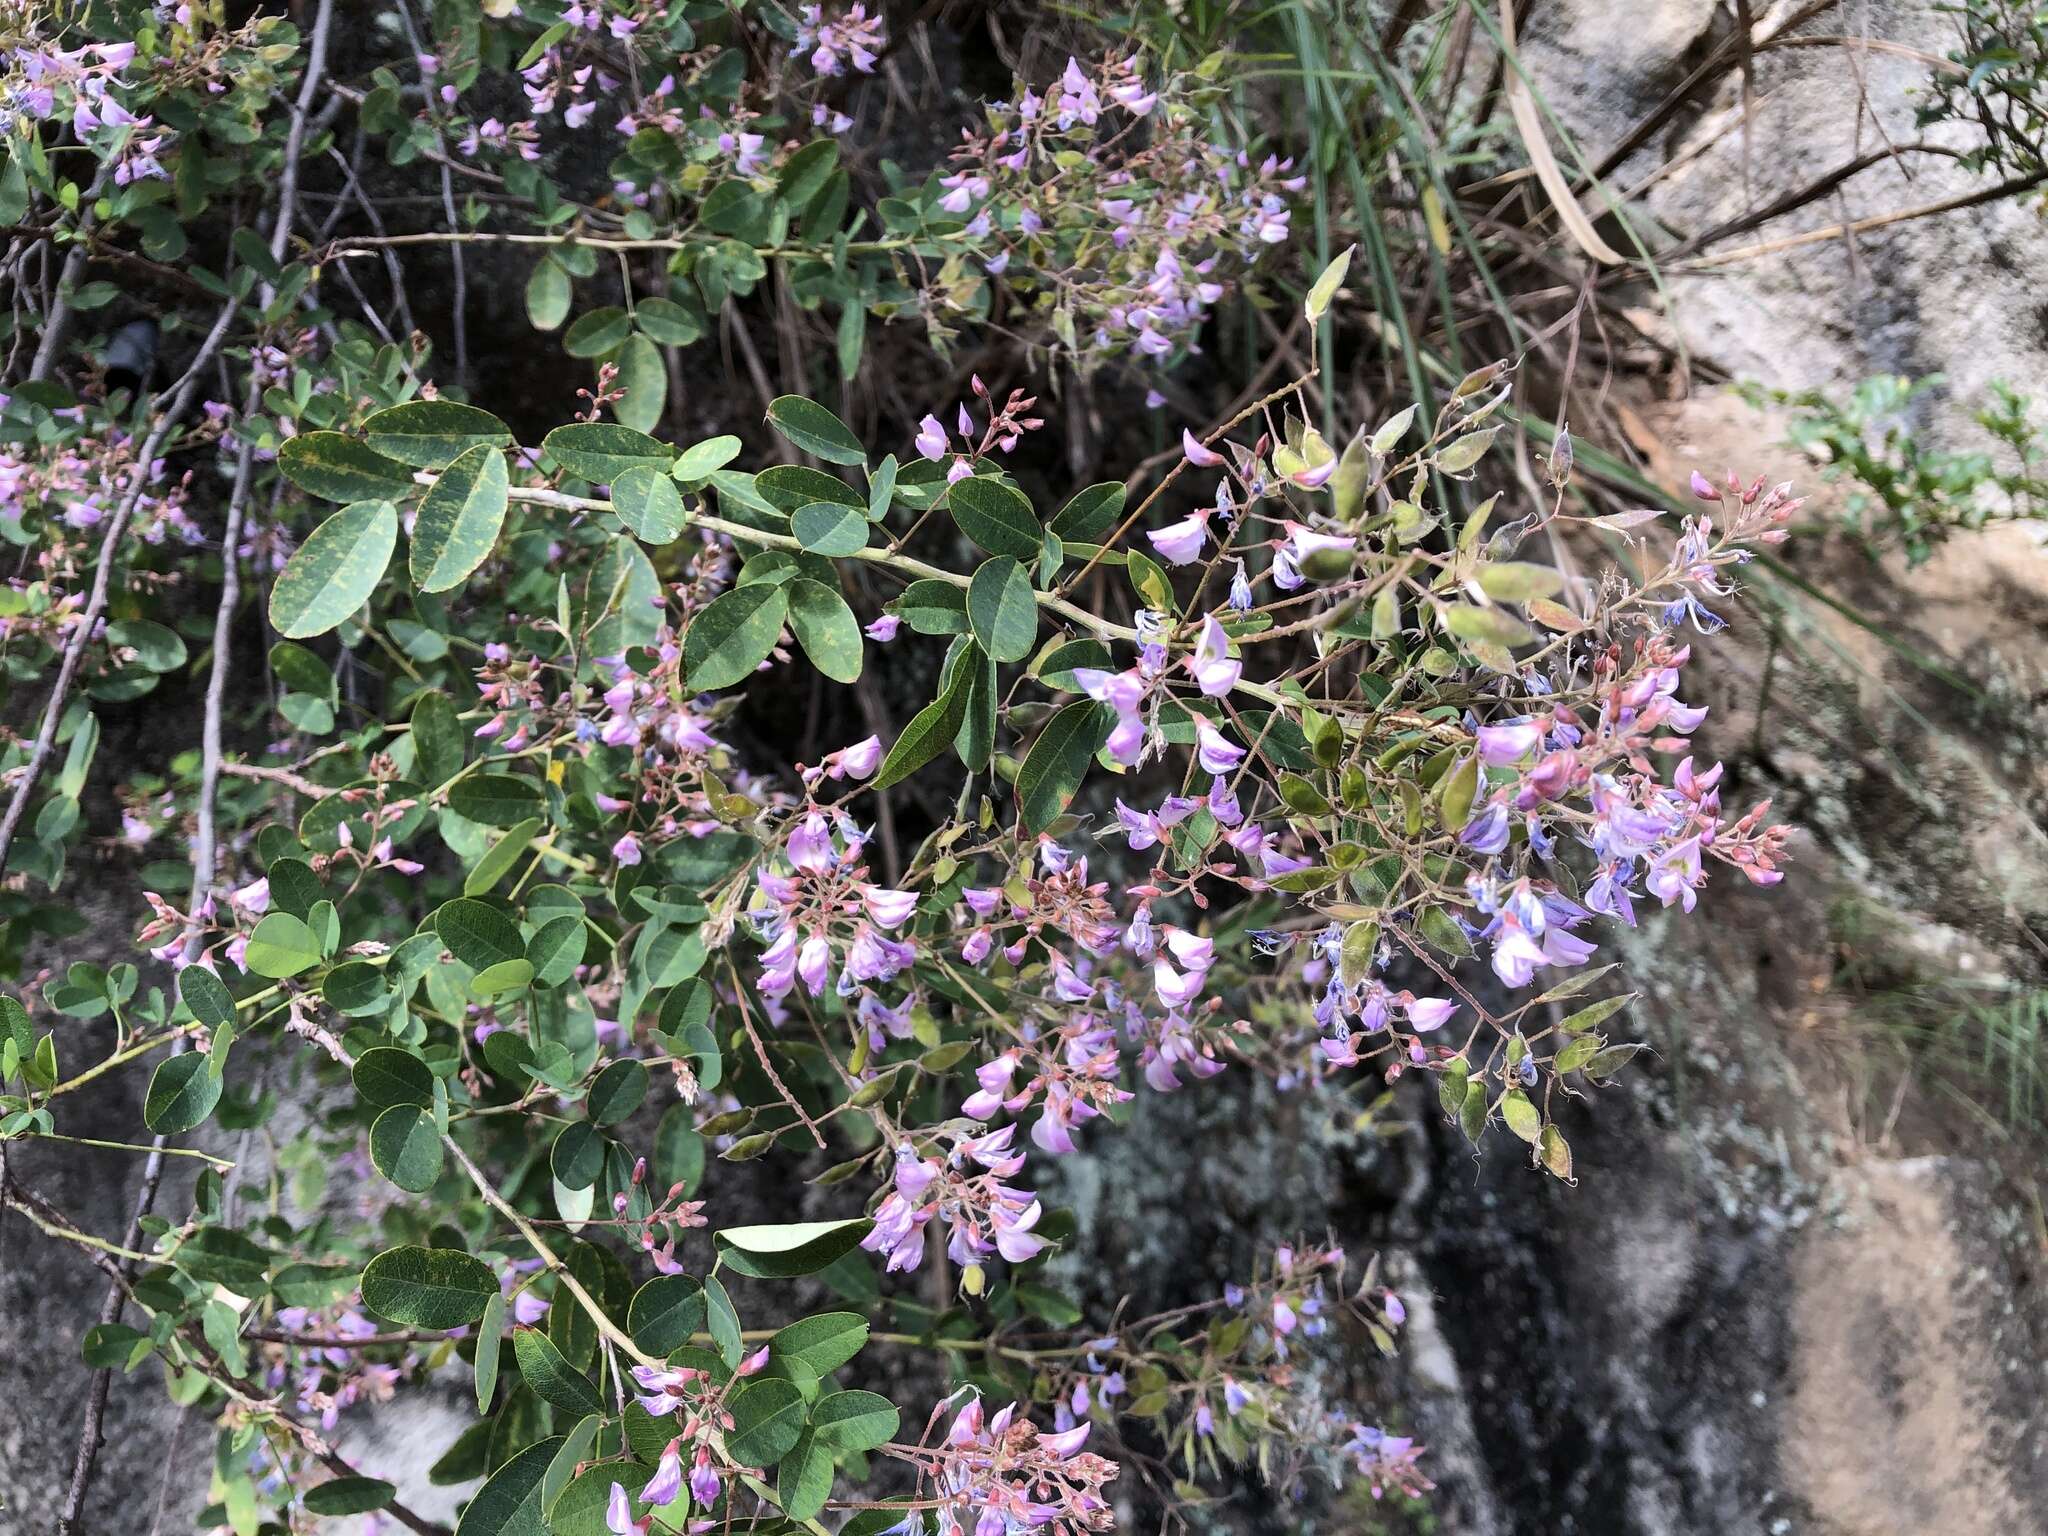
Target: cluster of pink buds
660,1229
1003,430
697,1404
995,1473
1057,899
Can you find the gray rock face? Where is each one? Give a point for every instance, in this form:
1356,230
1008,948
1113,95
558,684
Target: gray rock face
1957,293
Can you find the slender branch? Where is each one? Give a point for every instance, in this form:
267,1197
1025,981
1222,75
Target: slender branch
129,1146
296,783
46,1218
58,321
872,555
96,603
336,1341
1998,193
205,840
1294,386
760,1050
51,1222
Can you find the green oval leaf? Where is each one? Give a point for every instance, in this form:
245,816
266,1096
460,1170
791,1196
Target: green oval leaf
429,434
505,976
996,516
826,628
930,732
334,572
350,1496
597,332
495,799
1001,609
823,1343
385,1075
932,607
767,1421
428,1287
547,296
556,949
733,636
666,321
182,1093
648,502
1057,666
459,520
1058,760
510,1503
336,467
577,1157
644,378
830,528
356,988
553,1379
815,430
854,1421
438,740
699,461
789,486
281,946
406,1148
788,1249
665,1312
206,995
478,934
223,1256
617,1092
804,1480
487,1340
498,860
600,452
1091,514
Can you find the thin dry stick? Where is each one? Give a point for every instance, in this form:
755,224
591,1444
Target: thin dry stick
204,842
94,1436
747,1019
1995,194
96,603
296,783
58,321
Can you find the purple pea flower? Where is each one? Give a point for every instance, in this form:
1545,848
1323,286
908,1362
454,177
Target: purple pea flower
1180,543
1215,673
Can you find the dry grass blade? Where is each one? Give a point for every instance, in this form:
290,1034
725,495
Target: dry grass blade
1529,124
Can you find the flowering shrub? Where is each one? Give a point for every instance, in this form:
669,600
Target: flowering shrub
1283,757
1897,489
2000,61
